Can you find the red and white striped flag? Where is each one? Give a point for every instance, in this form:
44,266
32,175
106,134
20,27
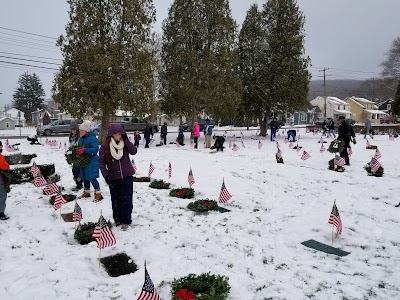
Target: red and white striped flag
103,235
59,201
151,169
286,141
134,166
305,156
279,153
51,188
224,195
339,161
298,149
349,151
151,141
35,171
277,145
374,165
191,178
335,219
235,147
191,143
177,144
378,154
169,170
322,149
77,214
259,145
368,144
149,292
39,181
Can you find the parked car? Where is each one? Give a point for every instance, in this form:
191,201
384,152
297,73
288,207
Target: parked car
128,126
319,121
187,126
56,127
389,120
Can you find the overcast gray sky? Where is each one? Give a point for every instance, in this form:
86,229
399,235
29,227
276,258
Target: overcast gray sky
348,36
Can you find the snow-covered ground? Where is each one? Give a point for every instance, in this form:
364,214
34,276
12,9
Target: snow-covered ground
274,208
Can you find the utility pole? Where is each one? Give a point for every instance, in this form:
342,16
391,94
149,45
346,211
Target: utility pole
324,70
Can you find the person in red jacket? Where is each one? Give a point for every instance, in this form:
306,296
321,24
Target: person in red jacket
3,192
196,133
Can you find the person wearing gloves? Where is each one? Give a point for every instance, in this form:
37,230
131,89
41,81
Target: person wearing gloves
3,191
347,134
73,140
117,170
90,172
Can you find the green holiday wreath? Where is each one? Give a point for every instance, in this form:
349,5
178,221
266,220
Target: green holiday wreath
141,179
185,193
202,287
78,161
159,184
83,234
371,147
336,146
68,197
378,173
203,205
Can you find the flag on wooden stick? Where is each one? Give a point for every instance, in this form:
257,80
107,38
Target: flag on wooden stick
169,170
149,292
335,219
191,178
224,195
305,156
59,200
77,214
103,235
151,169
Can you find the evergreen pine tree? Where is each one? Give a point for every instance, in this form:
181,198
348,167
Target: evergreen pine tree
285,78
199,59
29,95
108,58
396,102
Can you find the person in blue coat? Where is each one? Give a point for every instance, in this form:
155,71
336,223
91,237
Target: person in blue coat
89,173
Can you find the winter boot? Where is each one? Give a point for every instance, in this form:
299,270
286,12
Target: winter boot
86,194
3,217
97,196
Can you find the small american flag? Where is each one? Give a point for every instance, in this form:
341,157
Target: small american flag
191,177
298,149
151,169
350,151
391,137
259,145
39,181
230,144
103,235
50,188
321,140
243,144
305,156
322,149
335,220
177,144
339,161
65,146
191,143
378,154
277,145
133,166
7,142
290,144
279,153
241,133
286,141
59,200
35,171
374,165
224,195
169,170
149,292
235,147
60,146
368,144
151,141
77,214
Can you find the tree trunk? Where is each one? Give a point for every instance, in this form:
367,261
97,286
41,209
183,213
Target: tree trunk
263,124
105,120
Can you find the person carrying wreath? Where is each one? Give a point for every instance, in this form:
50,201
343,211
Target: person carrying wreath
117,170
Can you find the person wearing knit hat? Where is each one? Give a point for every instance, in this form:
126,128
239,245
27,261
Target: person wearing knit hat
74,135
89,173
3,182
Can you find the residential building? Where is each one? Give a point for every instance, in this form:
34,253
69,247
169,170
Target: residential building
362,108
335,107
386,106
7,123
16,115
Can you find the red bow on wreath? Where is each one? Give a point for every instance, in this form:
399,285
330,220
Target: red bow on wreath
181,192
206,203
184,294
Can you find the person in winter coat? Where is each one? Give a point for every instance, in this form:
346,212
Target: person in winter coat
367,127
148,131
196,134
117,170
219,143
324,127
331,128
73,140
137,138
3,192
181,137
274,125
347,134
33,139
164,132
208,132
89,173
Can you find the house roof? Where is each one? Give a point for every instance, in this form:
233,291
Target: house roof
335,100
362,100
345,112
374,111
2,119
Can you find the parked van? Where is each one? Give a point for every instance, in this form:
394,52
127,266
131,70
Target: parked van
56,127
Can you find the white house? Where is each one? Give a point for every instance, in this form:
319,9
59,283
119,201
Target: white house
335,107
12,113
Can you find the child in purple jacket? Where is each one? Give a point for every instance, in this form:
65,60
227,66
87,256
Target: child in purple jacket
117,170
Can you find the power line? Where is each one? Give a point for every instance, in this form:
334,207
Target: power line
38,61
26,37
9,53
30,33
40,67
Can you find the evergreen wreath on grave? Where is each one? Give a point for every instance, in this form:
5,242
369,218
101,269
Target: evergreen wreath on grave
159,184
19,159
279,160
202,287
68,197
78,161
203,205
83,233
336,146
378,173
185,193
371,147
18,175
54,178
141,179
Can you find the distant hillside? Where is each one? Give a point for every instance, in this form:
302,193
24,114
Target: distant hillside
373,89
